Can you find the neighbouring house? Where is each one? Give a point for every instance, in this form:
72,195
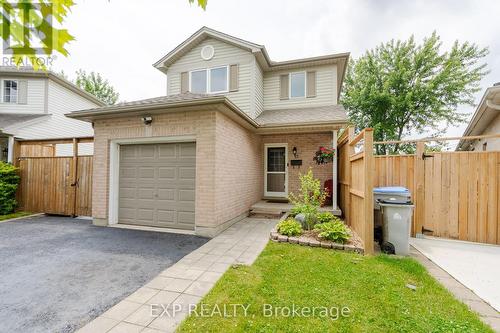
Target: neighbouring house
485,121
32,108
234,128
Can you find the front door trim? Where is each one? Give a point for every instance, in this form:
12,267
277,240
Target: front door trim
276,194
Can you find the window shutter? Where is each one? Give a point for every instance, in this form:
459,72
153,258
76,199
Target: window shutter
311,84
234,77
184,82
22,93
284,86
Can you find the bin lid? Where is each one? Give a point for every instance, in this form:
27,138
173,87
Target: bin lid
394,201
391,190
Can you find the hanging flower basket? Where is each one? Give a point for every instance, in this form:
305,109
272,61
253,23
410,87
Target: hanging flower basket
323,155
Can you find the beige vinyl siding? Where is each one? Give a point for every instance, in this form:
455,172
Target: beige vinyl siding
62,100
326,89
225,54
35,96
492,143
259,90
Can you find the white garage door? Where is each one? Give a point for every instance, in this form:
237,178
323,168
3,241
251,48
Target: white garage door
157,185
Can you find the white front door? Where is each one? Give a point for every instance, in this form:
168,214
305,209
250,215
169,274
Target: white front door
275,170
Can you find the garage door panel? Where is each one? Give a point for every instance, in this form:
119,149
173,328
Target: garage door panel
186,195
147,173
187,150
166,194
166,173
187,173
157,185
185,217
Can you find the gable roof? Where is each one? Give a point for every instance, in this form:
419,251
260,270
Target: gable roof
487,110
259,51
30,72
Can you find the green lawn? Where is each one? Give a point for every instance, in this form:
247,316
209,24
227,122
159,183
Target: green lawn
14,215
373,288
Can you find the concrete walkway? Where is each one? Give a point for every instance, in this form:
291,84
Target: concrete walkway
164,302
468,270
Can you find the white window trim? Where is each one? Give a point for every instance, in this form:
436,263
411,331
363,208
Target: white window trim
3,91
207,71
290,85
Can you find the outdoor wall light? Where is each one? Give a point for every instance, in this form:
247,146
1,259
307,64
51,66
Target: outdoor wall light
294,151
147,120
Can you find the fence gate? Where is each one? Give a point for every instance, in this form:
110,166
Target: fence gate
461,195
56,185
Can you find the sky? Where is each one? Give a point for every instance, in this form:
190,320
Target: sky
121,39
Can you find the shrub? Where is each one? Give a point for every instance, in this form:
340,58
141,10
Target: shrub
9,180
325,217
289,227
309,199
310,192
335,231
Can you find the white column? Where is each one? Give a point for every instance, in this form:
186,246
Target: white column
10,150
335,176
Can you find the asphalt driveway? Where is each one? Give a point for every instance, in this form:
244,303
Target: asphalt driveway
58,273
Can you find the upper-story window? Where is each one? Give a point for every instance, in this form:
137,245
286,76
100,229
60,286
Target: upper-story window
298,84
210,80
10,91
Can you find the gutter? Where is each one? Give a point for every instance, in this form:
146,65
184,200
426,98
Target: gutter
485,103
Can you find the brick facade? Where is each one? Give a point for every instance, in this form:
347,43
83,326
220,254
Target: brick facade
307,145
229,162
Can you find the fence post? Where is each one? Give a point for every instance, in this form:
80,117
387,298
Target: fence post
369,170
74,180
349,152
419,189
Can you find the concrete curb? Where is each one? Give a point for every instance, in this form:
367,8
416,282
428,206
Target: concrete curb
23,217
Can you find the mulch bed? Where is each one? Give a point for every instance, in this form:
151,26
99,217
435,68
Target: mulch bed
311,238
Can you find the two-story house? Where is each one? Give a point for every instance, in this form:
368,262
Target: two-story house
32,108
234,128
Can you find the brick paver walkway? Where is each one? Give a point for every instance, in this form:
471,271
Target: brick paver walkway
183,285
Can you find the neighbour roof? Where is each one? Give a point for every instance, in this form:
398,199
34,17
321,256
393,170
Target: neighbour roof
30,72
270,118
486,111
258,50
10,119
322,114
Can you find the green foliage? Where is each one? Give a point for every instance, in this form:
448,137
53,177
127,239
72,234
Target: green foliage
96,85
310,192
201,3
336,231
309,199
402,87
325,217
17,27
289,227
9,180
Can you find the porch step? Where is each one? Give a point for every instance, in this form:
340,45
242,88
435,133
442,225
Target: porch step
266,211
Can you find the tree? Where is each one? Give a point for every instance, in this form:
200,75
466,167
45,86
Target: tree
96,85
23,21
401,87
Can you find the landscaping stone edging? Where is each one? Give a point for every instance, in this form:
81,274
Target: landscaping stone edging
307,241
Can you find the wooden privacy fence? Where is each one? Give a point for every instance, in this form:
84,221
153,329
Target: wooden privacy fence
456,194
356,183
54,185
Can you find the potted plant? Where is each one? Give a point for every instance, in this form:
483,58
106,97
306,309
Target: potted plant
323,155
